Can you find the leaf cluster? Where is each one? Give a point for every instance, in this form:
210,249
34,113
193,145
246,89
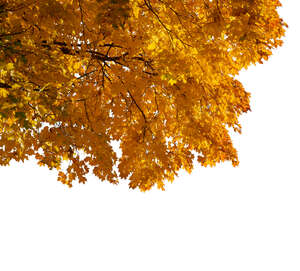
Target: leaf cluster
156,75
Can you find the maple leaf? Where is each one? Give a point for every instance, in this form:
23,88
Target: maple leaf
157,76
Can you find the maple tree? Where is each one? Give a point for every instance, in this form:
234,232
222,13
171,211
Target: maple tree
156,75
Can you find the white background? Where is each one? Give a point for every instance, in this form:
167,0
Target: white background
222,218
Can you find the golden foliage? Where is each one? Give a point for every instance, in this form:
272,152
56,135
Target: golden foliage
156,75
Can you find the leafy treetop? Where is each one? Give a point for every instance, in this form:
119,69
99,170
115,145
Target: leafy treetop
156,75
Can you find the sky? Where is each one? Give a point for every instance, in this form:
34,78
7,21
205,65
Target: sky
221,218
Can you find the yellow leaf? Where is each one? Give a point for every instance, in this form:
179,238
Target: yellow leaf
10,66
10,121
15,86
152,46
65,156
3,92
172,82
135,9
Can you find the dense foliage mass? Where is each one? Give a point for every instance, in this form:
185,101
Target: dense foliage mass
156,75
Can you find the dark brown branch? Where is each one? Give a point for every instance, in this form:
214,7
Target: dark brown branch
149,6
134,101
4,85
14,33
87,115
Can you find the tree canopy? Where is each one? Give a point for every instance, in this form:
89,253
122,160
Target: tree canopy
156,75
